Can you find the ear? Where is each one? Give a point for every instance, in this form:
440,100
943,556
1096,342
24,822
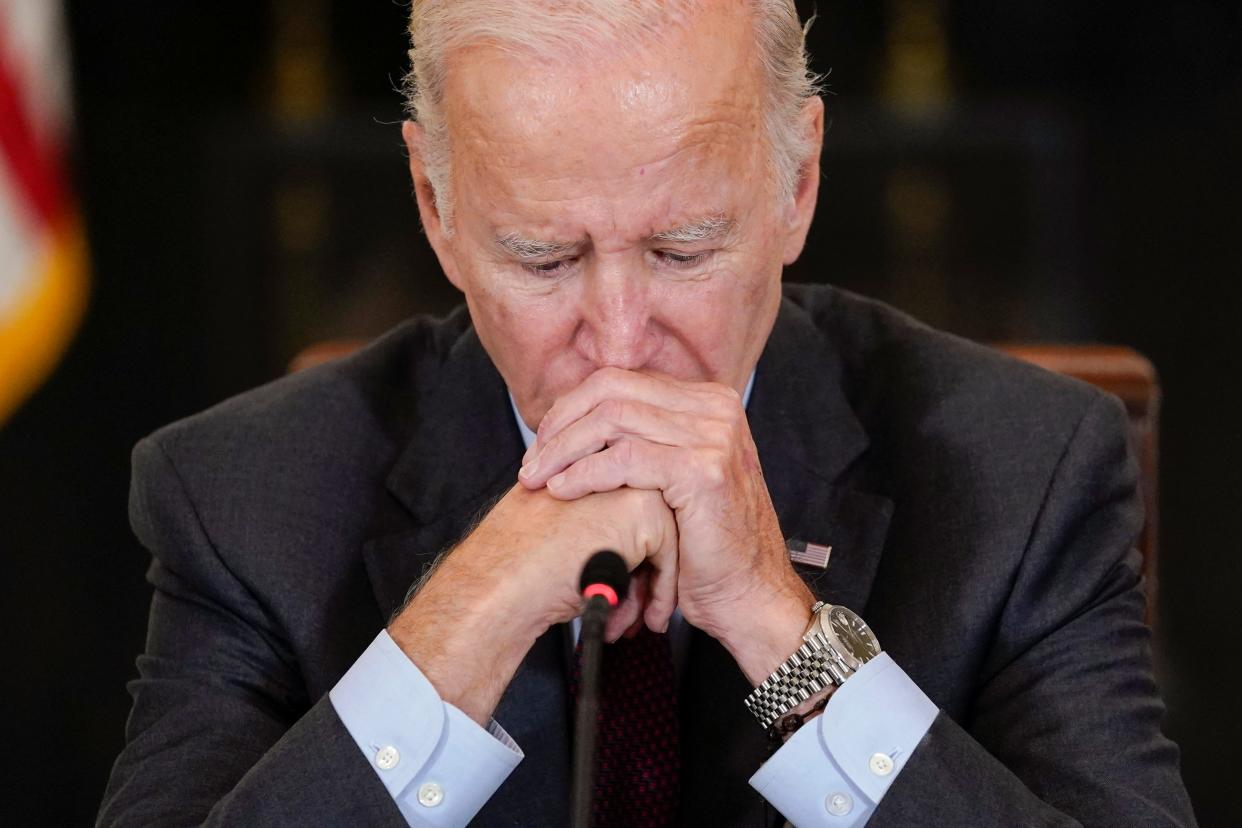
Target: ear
801,208
427,210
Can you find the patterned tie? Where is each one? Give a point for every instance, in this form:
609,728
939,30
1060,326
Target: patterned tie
637,757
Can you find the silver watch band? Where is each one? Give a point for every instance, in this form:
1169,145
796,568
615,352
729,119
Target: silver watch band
809,670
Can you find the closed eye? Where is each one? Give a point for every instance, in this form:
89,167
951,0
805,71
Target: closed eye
553,268
682,261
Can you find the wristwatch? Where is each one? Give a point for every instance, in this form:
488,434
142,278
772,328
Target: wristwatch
836,644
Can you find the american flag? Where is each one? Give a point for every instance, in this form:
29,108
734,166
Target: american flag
43,262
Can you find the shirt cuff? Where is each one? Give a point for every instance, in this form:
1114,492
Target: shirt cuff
437,764
835,770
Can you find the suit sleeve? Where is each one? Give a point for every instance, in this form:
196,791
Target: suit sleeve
1065,726
221,731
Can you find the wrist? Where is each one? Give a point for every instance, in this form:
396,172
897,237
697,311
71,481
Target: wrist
793,721
466,638
465,667
762,632
836,643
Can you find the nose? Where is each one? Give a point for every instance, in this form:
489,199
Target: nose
618,330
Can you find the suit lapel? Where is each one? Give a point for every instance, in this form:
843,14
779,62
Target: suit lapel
463,454
812,450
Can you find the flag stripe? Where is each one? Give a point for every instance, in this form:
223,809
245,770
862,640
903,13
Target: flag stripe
35,337
45,280
32,166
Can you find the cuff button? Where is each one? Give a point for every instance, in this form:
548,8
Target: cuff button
839,804
387,757
430,795
881,764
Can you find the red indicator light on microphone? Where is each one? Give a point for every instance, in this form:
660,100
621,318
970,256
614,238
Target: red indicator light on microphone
603,590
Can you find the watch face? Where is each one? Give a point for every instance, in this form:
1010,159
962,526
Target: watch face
858,643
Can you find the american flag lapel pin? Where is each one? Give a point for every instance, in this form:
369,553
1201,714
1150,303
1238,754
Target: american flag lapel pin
808,554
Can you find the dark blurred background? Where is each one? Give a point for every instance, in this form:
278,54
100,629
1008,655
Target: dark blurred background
1027,169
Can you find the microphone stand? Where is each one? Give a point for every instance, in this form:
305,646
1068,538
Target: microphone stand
592,637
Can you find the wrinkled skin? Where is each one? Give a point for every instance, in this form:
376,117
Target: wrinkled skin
619,240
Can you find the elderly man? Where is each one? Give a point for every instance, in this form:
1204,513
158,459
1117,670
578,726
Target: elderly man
365,575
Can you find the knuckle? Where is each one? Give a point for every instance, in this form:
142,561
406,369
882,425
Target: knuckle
613,410
546,425
719,433
570,477
656,521
715,407
713,469
623,452
728,405
607,377
553,411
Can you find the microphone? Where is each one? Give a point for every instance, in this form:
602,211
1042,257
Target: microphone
604,576
604,583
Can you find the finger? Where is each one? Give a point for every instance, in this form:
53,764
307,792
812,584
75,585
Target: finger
663,585
609,422
630,611
615,383
634,463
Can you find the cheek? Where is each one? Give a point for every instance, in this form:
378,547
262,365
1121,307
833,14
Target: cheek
513,332
724,321
743,291
704,316
530,340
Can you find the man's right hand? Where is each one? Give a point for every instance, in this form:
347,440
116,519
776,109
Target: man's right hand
471,624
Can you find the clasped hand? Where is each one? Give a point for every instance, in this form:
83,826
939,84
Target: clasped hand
666,472
689,441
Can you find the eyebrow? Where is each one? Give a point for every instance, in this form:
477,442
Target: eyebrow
704,229
523,248
711,227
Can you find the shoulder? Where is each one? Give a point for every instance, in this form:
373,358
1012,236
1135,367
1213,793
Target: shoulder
361,398
956,418
898,370
992,464
308,448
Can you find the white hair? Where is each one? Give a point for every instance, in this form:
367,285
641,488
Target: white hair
560,28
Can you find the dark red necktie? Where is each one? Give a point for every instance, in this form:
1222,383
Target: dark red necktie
638,757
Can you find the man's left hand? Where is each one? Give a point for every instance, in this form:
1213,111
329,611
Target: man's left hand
691,441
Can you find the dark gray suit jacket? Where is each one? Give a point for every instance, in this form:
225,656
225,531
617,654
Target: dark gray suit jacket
982,515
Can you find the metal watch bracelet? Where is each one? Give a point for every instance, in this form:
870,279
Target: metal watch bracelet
814,666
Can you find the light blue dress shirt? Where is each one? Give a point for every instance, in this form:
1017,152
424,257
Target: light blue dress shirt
440,767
